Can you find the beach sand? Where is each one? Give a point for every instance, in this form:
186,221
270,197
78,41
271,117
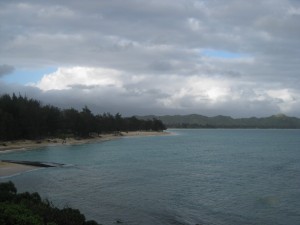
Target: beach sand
9,169
143,133
30,144
20,145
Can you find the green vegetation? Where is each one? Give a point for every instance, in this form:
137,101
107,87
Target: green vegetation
23,118
198,121
30,209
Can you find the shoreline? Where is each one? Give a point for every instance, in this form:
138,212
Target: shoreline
8,169
23,145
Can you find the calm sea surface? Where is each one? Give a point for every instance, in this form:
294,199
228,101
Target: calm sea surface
205,177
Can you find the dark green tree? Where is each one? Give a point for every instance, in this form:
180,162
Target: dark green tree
23,118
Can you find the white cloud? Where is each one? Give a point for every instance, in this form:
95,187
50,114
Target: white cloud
65,78
285,98
195,24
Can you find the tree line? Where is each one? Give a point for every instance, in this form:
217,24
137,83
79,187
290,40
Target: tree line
26,118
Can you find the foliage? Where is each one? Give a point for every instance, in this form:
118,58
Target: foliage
7,190
30,209
23,118
14,214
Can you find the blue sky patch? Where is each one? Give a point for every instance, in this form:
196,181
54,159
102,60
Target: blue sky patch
26,76
221,54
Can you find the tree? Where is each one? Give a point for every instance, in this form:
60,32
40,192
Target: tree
7,191
30,209
14,214
88,123
23,118
157,125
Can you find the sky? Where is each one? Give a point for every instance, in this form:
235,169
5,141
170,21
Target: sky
237,58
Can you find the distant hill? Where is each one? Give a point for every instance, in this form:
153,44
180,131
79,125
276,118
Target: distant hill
280,121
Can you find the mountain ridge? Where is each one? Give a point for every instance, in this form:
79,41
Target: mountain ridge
280,121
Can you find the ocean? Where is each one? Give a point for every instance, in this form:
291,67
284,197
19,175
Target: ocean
200,176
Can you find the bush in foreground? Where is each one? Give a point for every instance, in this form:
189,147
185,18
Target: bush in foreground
30,209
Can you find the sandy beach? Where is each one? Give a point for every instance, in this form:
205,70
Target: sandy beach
31,144
8,169
20,145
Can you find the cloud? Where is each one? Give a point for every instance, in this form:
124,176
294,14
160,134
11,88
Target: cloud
79,77
6,69
111,90
169,56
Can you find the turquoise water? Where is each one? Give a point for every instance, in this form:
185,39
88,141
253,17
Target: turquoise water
207,177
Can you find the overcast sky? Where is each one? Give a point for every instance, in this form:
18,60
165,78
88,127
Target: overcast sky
236,57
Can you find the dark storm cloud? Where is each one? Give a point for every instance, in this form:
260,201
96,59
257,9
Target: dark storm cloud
6,69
